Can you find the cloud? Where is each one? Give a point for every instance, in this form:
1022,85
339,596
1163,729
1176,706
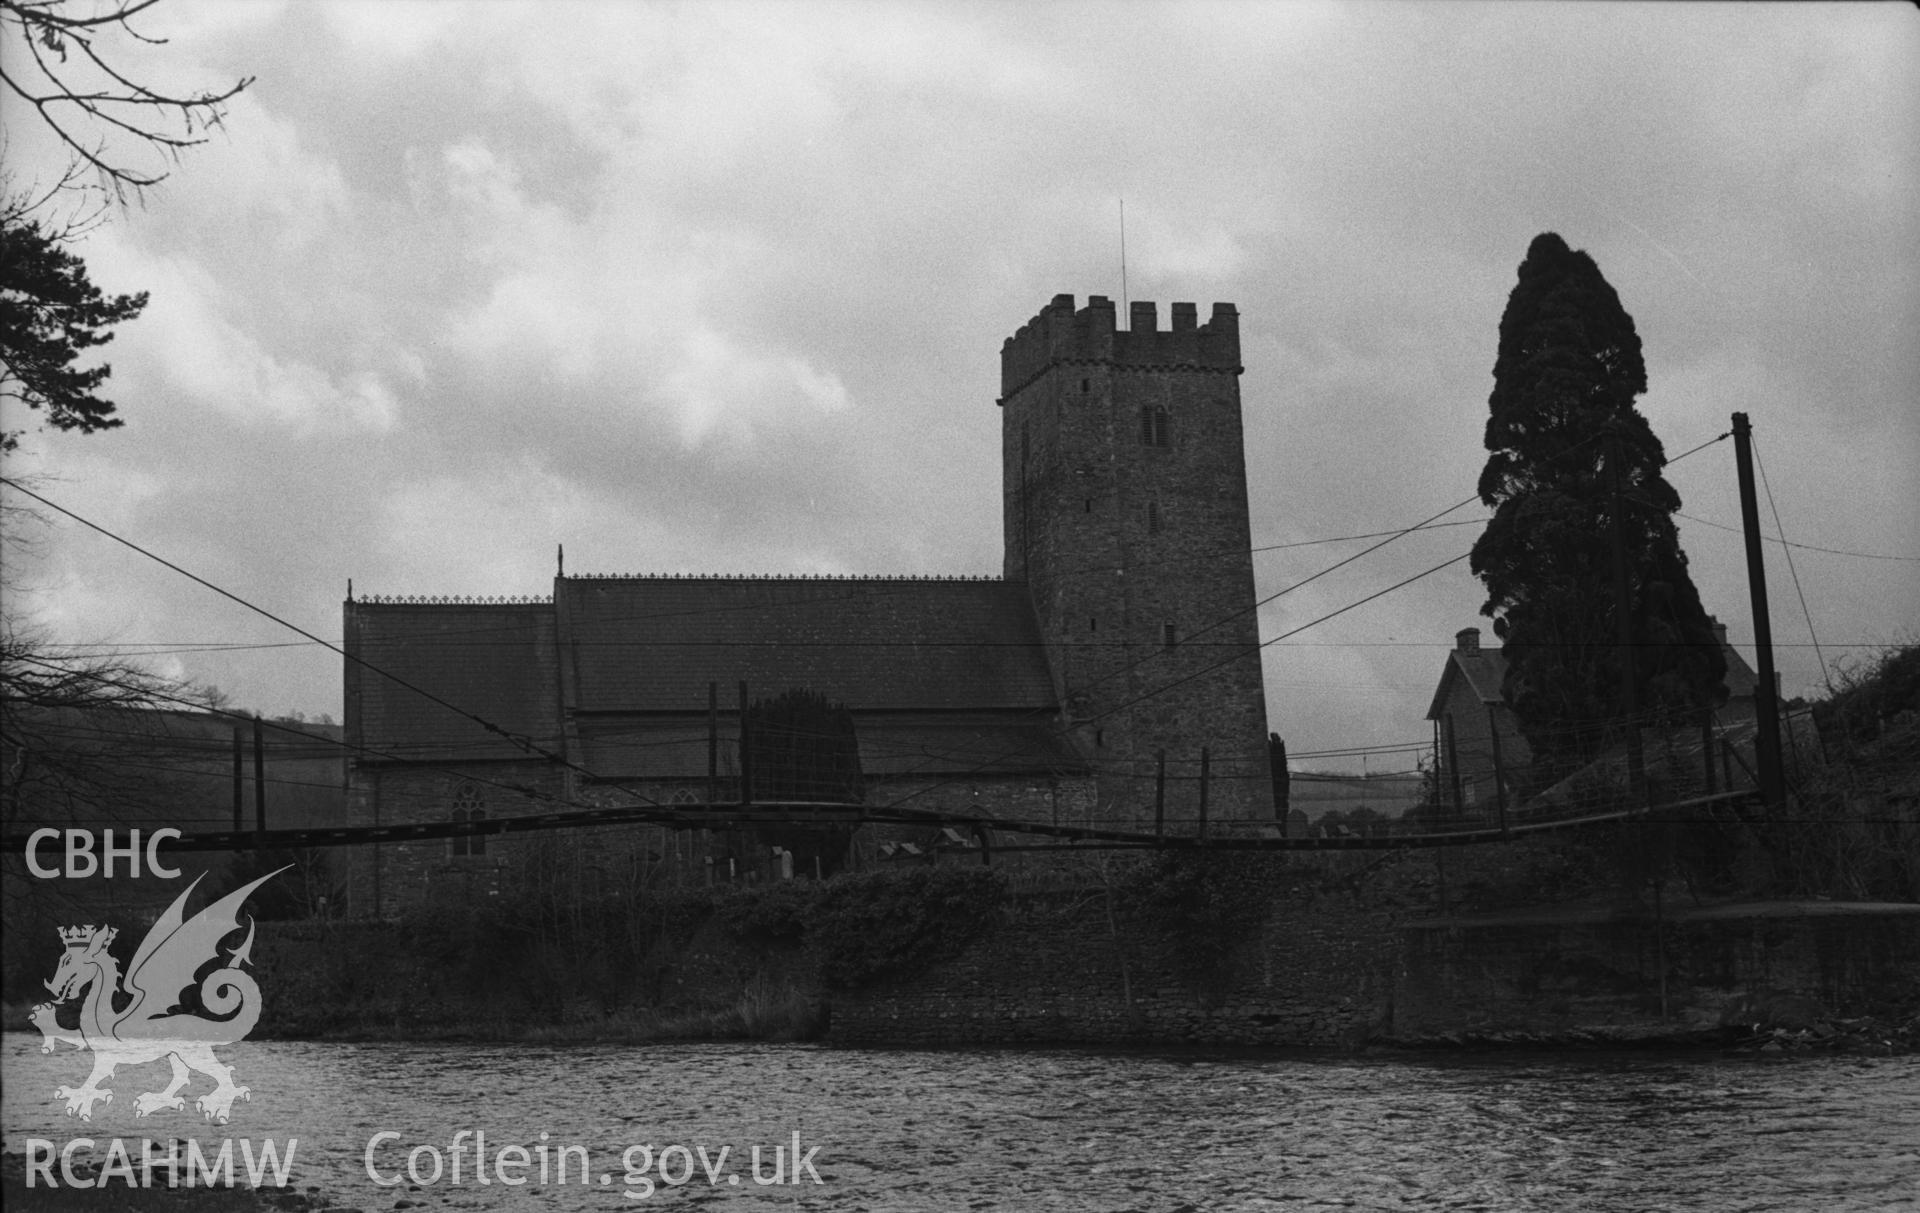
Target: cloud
565,302
190,346
722,288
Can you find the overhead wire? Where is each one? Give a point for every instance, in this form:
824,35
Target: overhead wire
526,743
1795,573
1805,547
523,790
1238,613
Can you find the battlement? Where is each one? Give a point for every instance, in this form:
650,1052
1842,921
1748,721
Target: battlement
1059,334
886,577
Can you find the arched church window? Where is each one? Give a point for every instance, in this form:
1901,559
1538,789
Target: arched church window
467,807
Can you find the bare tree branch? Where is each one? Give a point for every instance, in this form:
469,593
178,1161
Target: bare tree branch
87,98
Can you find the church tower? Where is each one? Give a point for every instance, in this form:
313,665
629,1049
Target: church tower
1125,494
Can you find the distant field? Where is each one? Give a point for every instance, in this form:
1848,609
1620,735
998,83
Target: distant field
1314,793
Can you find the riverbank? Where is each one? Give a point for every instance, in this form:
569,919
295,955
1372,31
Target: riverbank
782,1016
1342,954
1863,1036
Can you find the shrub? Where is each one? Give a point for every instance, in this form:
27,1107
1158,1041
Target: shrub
885,924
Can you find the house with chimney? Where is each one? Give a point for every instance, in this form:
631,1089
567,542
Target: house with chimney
1477,737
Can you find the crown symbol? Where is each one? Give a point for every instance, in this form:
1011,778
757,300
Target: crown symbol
74,937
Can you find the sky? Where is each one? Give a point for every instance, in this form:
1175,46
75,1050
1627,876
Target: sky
721,288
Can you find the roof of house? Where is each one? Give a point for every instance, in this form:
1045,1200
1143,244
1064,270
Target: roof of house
653,644
1481,670
1741,680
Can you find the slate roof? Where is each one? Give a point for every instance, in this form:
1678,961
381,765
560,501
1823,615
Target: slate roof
944,676
652,644
1483,670
972,744
496,662
1741,680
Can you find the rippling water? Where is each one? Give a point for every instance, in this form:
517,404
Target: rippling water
910,1130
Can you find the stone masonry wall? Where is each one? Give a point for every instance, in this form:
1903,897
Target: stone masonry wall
1324,971
388,879
1058,970
1467,977
1129,534
384,880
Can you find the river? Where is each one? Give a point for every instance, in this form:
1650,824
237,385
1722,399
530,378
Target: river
889,1130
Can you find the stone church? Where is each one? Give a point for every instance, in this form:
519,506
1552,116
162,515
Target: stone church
1109,675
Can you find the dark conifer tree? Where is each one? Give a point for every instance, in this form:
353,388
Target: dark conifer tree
804,747
51,314
1569,449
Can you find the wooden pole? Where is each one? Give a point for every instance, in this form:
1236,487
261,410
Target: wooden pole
1660,932
1499,776
1706,747
746,752
1204,775
1765,700
1453,768
1160,792
239,782
259,782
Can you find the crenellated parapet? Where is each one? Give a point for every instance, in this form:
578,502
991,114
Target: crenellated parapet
886,577
1090,336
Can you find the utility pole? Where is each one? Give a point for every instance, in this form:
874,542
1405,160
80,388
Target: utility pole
1205,768
1766,704
239,783
1159,792
1499,774
259,783
746,751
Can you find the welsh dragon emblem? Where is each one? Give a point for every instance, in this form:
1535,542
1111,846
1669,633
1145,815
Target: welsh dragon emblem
153,1023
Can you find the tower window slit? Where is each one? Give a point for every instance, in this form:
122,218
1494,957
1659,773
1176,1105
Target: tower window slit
1154,426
